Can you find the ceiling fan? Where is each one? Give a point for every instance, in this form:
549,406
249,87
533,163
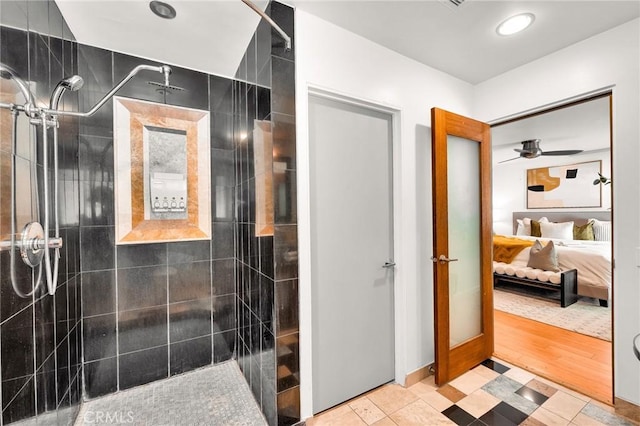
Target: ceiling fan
531,149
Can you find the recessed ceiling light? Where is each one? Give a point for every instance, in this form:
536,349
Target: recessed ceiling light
163,10
515,24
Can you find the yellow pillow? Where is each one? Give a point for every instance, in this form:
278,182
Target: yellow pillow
535,229
584,232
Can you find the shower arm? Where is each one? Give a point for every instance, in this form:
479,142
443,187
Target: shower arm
287,39
163,69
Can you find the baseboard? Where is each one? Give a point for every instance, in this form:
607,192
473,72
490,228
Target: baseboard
627,409
419,374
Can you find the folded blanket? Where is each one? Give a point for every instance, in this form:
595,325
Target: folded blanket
505,249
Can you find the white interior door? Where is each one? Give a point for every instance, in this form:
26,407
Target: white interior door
351,250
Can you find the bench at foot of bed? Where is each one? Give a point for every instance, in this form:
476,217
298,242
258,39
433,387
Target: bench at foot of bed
568,285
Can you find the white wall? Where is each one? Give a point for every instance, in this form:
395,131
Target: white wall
335,60
510,189
611,59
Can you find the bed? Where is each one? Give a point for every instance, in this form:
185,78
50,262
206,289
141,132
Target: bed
592,259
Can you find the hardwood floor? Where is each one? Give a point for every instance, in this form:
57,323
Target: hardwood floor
576,361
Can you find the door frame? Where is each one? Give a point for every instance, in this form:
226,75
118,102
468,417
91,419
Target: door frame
610,91
305,272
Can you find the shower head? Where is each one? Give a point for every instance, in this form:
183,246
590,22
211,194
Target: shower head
8,73
73,83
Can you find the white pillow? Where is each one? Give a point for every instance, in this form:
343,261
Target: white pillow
524,226
562,230
601,230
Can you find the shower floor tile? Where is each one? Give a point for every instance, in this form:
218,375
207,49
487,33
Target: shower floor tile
215,395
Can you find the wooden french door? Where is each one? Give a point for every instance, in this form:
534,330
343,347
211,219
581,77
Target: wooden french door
462,243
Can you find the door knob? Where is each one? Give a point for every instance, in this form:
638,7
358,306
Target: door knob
442,259
389,264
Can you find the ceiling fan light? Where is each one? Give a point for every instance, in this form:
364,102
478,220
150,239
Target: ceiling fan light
515,24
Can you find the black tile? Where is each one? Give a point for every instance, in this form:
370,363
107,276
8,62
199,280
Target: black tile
97,248
24,404
285,197
286,302
99,337
62,369
222,167
61,301
507,411
266,257
495,366
10,302
222,203
221,94
224,313
223,276
459,416
289,407
224,346
287,352
39,16
286,251
142,329
14,14
188,320
142,255
189,281
190,354
532,395
251,60
223,240
13,48
44,329
284,17
17,345
221,130
39,66
283,86
267,301
98,293
268,358
46,387
263,103
142,287
95,67
494,418
101,377
138,368
284,141
189,251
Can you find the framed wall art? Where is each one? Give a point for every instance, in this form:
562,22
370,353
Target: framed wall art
564,186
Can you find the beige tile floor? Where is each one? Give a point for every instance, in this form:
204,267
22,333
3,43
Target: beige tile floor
487,395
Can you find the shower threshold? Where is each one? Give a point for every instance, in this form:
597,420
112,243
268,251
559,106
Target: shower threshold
215,395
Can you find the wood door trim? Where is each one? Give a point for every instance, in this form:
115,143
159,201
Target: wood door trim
453,362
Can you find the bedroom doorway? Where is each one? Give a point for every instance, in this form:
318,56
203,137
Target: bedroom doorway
571,346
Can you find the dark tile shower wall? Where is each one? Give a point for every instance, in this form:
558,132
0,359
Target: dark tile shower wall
267,266
151,311
40,340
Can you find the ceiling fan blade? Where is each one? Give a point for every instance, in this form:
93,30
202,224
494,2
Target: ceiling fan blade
510,159
521,150
563,152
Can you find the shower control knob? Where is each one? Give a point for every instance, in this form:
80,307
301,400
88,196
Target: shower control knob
182,204
173,204
165,205
156,205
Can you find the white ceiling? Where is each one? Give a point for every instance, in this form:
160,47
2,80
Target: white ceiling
583,126
212,35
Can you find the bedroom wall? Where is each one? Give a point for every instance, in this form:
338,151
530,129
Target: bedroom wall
509,187
338,61
610,59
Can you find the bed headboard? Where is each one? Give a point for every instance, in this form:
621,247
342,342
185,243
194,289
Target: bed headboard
579,218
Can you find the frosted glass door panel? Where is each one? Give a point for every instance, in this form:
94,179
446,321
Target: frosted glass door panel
465,274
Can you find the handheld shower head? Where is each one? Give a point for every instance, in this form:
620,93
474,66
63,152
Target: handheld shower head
8,73
73,83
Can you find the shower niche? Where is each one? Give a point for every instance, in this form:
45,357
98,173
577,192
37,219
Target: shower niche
162,172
